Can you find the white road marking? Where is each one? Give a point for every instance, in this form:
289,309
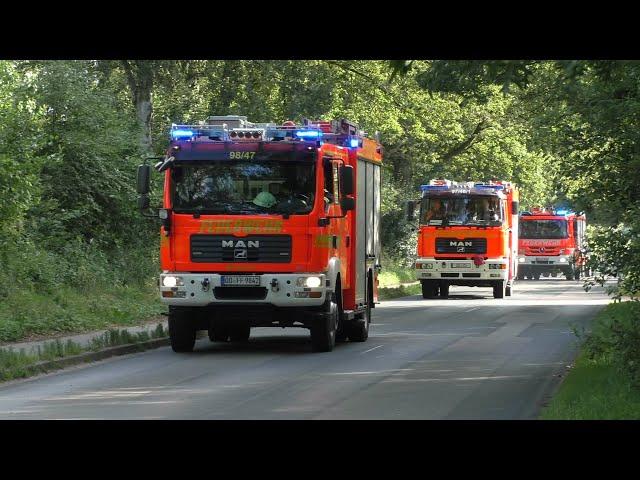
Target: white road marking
371,349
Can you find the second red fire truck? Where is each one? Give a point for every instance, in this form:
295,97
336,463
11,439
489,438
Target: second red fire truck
468,236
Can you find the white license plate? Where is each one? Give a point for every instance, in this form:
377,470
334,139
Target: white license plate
542,260
460,265
240,280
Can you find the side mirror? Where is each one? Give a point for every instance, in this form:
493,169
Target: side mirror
409,208
143,202
515,206
346,180
144,174
347,203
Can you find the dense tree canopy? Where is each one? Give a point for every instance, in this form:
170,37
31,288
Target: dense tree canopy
72,133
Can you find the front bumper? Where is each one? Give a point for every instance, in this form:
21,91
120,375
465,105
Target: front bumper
539,263
277,289
461,270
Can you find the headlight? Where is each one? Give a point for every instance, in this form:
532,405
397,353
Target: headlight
171,281
163,213
427,265
521,259
563,260
498,266
311,282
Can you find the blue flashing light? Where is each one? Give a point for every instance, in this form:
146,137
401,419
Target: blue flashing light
354,142
424,188
309,134
562,212
484,185
177,134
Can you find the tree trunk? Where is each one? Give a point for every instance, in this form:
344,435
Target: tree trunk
140,79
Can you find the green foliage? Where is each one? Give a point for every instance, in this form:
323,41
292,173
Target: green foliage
615,337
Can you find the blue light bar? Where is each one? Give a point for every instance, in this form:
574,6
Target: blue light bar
424,188
182,133
309,133
562,212
484,185
354,142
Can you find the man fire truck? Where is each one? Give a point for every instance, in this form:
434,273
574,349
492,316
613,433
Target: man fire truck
468,236
268,225
551,242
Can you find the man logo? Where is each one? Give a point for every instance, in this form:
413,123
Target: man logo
455,243
460,249
241,244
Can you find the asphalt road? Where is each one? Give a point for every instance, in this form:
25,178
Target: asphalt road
468,357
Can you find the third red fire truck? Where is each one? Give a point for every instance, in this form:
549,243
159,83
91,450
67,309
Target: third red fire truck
551,242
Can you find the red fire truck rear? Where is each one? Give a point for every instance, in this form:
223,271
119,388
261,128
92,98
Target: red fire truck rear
468,236
268,225
551,242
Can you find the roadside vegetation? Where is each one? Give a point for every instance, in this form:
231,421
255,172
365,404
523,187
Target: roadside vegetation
20,364
605,380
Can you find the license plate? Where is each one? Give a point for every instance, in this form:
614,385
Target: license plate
240,280
542,260
460,265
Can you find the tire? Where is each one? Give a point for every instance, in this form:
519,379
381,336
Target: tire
429,289
499,290
507,290
323,330
546,274
182,331
444,290
219,333
536,276
359,328
240,333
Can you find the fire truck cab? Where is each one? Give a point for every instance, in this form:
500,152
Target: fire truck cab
551,242
268,225
468,236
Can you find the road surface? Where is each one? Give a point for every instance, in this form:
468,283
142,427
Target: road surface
468,357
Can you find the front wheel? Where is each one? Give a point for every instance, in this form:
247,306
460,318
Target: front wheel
323,330
182,332
240,333
444,290
429,289
507,290
499,290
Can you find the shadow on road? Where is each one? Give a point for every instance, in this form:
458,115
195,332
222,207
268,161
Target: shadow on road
299,344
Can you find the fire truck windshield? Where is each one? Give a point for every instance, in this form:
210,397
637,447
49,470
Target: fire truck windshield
543,229
461,210
244,187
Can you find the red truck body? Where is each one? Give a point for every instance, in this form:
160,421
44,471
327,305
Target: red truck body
551,242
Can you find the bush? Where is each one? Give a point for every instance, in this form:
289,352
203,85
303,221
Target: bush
616,337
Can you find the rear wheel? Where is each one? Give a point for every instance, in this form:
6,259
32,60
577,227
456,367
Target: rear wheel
323,330
182,331
536,276
499,290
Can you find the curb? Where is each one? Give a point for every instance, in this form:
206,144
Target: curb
47,365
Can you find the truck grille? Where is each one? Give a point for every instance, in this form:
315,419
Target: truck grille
249,249
457,245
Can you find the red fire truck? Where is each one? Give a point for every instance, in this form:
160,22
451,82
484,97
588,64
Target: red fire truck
551,242
468,236
268,225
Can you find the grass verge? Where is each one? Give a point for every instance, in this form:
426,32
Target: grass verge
22,364
603,384
27,313
393,274
401,291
